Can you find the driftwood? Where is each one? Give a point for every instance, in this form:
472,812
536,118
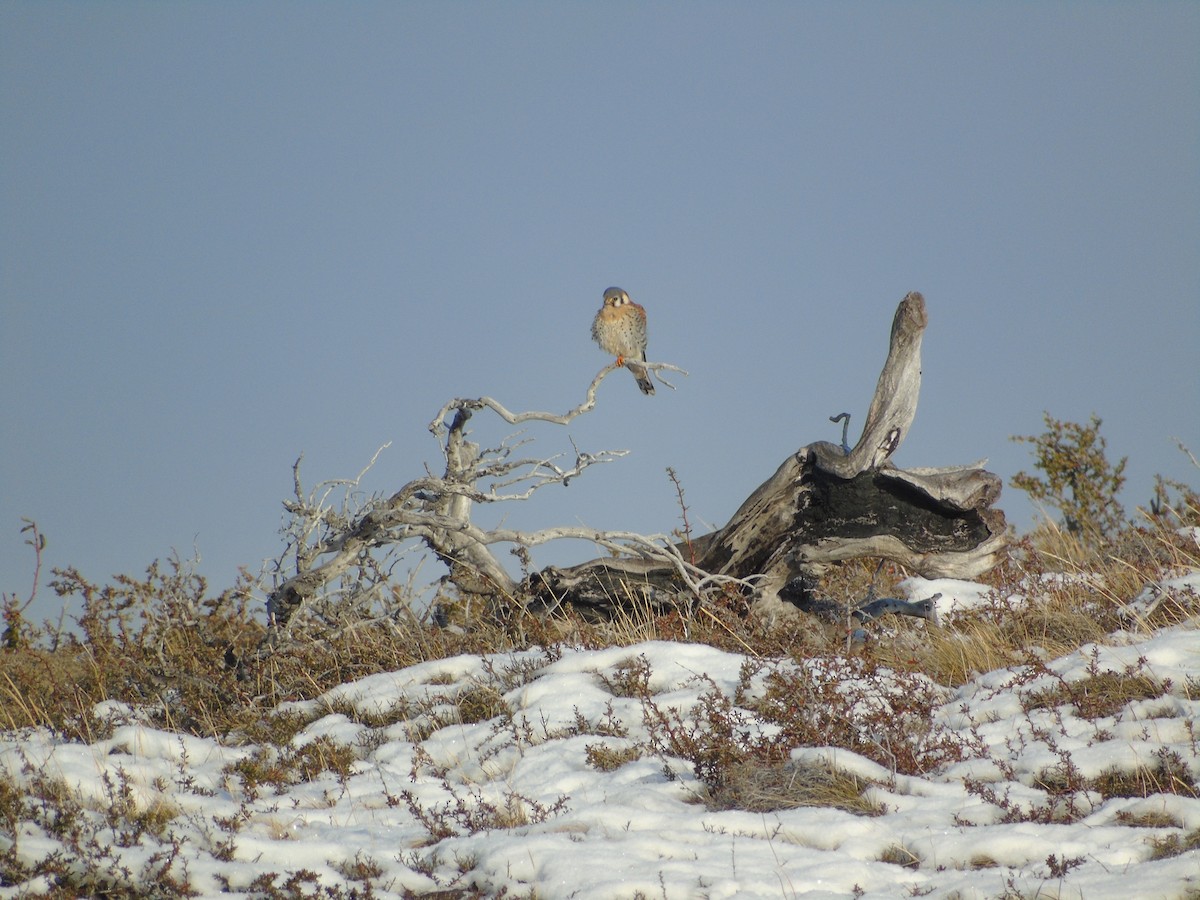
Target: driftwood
824,504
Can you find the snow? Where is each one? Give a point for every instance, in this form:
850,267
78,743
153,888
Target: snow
955,595
513,805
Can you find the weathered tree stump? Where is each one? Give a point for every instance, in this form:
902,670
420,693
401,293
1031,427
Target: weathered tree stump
824,504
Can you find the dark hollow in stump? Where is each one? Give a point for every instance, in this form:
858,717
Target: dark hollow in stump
823,505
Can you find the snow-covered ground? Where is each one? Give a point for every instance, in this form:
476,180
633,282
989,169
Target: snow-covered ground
515,803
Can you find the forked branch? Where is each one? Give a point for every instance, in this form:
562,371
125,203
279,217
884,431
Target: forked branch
333,551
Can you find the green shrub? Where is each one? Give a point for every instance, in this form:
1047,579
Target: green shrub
1076,478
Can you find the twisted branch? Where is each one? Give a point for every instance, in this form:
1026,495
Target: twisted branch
332,548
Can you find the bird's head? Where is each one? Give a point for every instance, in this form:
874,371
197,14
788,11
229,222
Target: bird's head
615,297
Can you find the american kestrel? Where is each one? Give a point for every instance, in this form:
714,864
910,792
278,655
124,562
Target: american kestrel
620,329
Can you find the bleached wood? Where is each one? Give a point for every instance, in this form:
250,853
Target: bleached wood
330,545
894,404
824,505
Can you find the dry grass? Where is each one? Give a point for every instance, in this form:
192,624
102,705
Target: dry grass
758,787
605,758
1175,845
1099,695
187,659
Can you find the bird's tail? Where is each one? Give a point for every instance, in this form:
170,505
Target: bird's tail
642,376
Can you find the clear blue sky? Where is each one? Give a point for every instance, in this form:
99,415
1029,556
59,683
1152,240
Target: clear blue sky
233,233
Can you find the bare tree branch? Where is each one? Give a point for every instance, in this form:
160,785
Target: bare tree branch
334,550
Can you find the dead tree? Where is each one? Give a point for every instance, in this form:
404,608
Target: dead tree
339,558
828,503
824,504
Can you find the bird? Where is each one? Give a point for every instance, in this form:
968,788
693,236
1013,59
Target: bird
620,329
